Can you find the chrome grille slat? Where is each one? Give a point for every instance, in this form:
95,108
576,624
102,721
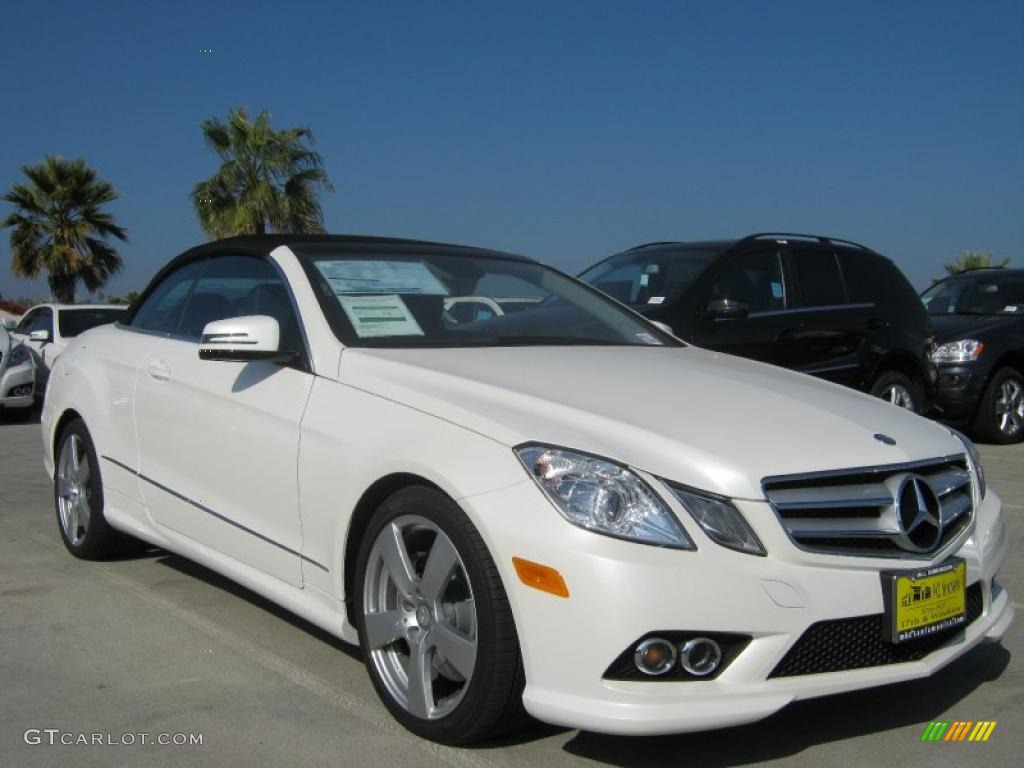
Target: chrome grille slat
853,512
946,482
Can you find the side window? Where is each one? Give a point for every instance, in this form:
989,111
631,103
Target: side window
233,286
161,310
26,322
817,274
755,279
873,279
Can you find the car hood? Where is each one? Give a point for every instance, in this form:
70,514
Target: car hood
953,327
701,418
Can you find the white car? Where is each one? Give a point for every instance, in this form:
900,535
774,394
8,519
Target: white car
17,374
47,329
561,509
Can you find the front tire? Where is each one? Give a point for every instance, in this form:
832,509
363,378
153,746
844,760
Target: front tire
435,625
1000,416
78,498
899,390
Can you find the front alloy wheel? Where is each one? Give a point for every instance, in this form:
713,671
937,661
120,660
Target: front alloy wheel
78,498
435,625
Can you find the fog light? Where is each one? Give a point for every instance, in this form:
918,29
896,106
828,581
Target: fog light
700,656
655,656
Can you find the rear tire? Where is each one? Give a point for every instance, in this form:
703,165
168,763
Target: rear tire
431,608
1000,416
899,390
78,499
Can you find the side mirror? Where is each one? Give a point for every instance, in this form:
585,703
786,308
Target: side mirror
40,335
727,309
253,337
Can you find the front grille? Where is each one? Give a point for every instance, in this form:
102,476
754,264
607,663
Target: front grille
842,644
854,512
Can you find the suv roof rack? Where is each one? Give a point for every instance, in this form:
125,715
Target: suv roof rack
656,242
803,236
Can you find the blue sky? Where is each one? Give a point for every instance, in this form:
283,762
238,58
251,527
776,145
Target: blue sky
563,130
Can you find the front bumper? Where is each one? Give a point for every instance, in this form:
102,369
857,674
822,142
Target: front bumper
16,378
959,391
620,591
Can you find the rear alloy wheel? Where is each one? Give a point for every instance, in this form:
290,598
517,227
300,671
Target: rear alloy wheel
435,625
899,390
1001,412
78,498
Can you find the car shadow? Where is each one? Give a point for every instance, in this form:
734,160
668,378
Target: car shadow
202,573
808,723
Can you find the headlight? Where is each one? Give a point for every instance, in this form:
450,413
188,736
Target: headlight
975,458
719,519
602,496
19,355
960,351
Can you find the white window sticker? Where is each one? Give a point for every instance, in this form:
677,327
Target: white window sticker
656,300
371,276
375,316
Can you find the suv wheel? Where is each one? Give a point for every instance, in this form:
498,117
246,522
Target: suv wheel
434,622
1001,412
898,389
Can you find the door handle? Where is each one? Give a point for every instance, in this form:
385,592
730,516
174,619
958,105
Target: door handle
158,370
876,323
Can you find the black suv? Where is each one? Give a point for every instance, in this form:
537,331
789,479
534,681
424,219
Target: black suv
979,326
828,307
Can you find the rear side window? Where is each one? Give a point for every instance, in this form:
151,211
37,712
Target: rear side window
161,310
874,279
817,275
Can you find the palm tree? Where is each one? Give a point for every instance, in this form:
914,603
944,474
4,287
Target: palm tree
59,226
974,260
268,180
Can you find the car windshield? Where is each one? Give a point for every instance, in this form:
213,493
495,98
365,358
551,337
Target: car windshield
440,298
649,276
75,321
976,295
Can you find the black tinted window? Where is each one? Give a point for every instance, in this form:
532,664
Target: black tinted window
75,321
817,274
873,279
648,276
161,310
235,286
755,279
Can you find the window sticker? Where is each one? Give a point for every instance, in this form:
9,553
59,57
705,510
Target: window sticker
656,300
372,276
776,290
375,316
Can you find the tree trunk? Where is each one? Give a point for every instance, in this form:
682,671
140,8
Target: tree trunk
63,290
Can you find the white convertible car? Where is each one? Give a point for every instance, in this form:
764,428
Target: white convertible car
561,510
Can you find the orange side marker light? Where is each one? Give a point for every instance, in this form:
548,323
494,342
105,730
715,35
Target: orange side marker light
540,577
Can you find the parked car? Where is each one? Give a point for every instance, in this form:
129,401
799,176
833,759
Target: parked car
17,374
979,330
818,305
47,329
561,509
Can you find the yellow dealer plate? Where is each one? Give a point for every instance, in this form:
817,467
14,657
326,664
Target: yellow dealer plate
922,602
